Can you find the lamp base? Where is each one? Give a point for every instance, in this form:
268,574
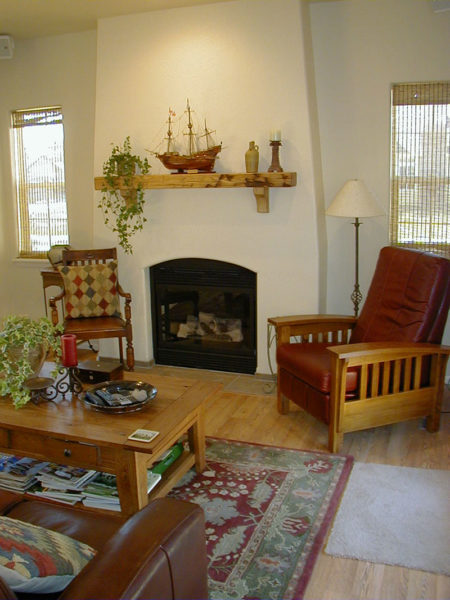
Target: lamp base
356,298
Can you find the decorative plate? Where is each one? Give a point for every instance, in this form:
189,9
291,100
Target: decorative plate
117,397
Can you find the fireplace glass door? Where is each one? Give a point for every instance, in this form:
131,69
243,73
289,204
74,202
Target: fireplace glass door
204,315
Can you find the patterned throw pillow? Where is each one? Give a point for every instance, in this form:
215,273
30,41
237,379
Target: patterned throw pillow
91,290
38,560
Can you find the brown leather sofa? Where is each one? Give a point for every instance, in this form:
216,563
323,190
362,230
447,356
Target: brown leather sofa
159,553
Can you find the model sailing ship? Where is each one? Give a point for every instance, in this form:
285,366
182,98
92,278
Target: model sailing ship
194,159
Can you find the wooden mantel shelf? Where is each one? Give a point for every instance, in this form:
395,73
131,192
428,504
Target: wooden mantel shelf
260,182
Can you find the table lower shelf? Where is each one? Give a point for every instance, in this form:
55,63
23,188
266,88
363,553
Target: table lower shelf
173,474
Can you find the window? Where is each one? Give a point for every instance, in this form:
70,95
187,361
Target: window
420,172
40,181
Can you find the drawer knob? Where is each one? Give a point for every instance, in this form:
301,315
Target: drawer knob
67,452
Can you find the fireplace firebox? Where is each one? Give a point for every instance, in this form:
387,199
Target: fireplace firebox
204,314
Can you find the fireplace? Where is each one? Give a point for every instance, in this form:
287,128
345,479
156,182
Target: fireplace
204,314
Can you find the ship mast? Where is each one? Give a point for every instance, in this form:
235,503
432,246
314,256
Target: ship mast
169,137
207,135
190,133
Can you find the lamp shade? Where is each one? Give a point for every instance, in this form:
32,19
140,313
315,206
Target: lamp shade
354,200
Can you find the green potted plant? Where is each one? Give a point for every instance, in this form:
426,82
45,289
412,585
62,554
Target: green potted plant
24,344
122,199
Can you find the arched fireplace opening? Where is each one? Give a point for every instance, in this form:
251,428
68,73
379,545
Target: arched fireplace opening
204,314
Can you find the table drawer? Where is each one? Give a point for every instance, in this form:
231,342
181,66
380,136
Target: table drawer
55,449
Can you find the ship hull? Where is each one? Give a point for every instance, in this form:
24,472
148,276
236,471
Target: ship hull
202,161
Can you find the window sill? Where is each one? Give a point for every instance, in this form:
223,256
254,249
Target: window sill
31,262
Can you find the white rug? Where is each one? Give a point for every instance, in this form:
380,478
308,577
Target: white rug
395,516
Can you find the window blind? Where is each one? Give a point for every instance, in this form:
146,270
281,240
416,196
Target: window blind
36,116
420,166
40,180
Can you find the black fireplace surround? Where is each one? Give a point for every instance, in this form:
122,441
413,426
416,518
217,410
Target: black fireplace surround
204,315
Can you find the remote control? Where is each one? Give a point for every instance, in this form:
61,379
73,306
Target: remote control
94,399
106,397
122,400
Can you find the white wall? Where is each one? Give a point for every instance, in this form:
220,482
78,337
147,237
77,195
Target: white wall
47,71
242,65
360,48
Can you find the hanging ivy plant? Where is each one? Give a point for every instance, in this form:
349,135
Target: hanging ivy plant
122,199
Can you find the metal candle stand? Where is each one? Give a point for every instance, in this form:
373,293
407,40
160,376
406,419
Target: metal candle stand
45,388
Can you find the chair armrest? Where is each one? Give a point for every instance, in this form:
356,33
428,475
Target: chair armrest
122,293
160,552
313,328
372,352
53,308
127,307
388,368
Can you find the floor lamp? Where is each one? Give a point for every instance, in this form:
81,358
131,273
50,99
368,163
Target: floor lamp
355,200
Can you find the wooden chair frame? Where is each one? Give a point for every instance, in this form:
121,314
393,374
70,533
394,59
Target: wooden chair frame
98,327
390,387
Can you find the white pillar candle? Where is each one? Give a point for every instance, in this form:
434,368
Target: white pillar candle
275,135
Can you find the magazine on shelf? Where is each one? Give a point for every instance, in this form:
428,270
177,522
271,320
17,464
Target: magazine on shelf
19,473
70,498
93,503
64,477
15,486
102,491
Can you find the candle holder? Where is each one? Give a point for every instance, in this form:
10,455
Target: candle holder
275,167
46,389
69,382
38,388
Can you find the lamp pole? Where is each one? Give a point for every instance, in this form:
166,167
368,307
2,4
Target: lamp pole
356,295
355,201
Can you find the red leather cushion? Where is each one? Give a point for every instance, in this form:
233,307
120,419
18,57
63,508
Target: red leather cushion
312,363
408,299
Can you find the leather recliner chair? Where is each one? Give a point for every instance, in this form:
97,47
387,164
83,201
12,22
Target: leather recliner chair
385,366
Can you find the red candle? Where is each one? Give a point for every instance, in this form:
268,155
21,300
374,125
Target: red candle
69,350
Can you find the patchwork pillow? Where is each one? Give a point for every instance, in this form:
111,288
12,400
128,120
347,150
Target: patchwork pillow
38,560
91,290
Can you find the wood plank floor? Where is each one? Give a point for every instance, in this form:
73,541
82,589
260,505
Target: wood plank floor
252,417
245,410
255,419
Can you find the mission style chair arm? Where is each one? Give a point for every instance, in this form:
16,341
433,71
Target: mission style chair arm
334,329
390,386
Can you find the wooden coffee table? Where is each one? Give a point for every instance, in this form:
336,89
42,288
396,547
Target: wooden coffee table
69,432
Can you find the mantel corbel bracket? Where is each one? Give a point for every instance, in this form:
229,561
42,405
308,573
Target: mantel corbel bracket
262,199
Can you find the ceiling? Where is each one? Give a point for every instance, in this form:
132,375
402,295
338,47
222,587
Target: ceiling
23,19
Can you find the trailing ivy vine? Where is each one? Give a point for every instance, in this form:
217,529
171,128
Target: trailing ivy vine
122,200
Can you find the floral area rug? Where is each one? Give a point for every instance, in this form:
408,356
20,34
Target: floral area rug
267,512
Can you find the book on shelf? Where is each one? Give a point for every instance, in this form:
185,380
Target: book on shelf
168,458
